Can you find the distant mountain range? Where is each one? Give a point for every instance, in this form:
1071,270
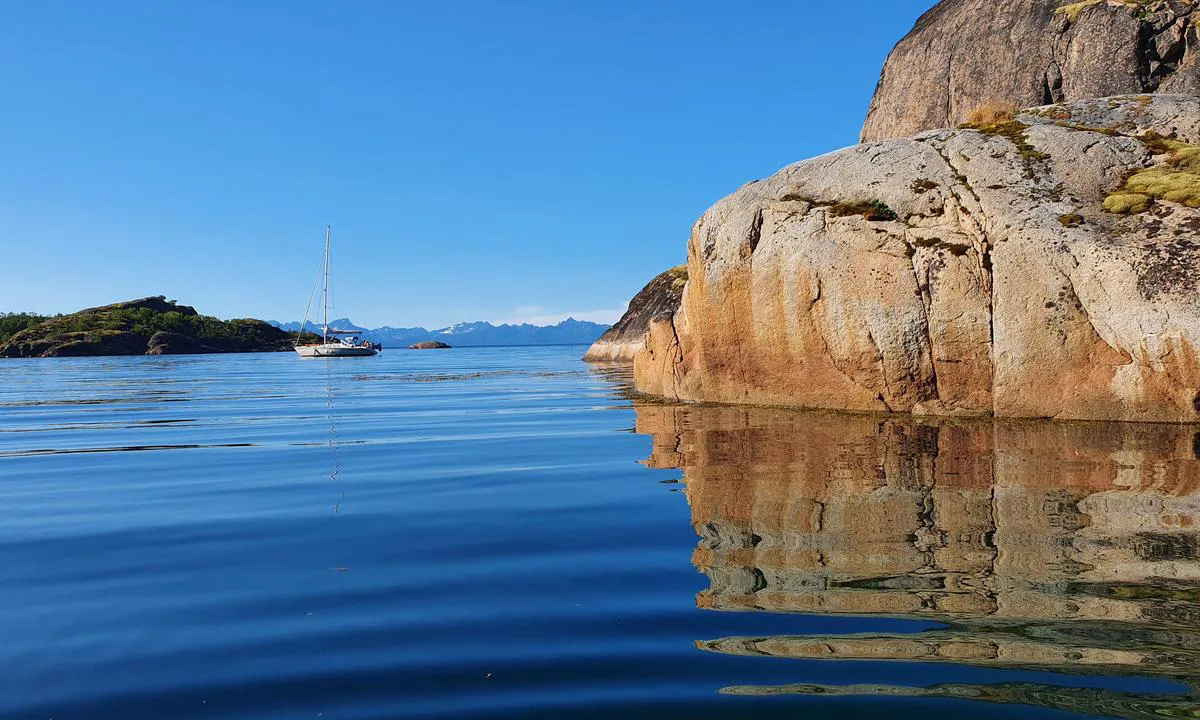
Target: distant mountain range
470,334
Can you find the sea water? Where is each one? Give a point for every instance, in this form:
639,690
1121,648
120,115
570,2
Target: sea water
508,532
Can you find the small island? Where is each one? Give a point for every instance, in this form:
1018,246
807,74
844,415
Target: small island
149,326
429,345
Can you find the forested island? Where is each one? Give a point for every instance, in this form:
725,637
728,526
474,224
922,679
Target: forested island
149,326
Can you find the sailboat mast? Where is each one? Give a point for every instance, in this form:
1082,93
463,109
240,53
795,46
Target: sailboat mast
325,294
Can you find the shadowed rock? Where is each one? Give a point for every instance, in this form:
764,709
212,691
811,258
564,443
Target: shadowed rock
963,53
660,298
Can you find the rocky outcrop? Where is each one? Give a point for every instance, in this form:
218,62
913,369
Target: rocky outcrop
660,298
170,343
173,343
963,53
150,326
429,345
969,271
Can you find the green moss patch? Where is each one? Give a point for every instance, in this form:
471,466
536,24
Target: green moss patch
874,210
1127,203
678,276
1156,143
1175,179
1013,131
1072,11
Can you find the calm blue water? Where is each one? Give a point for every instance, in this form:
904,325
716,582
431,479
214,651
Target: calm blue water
503,533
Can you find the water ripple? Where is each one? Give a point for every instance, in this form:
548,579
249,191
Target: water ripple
503,533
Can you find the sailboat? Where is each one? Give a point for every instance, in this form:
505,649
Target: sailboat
334,342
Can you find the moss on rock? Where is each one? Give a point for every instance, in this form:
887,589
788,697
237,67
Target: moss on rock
1013,131
1176,179
874,210
1125,202
1073,10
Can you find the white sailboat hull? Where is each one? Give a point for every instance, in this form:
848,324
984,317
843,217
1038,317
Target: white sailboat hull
334,342
333,350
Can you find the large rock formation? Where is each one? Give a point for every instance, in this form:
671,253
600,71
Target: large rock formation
969,271
963,53
659,298
149,326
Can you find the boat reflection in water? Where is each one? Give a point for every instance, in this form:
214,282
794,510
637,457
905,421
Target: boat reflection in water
1071,548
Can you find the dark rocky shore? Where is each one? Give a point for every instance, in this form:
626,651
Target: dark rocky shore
659,298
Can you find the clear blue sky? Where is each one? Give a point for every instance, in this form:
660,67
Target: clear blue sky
477,160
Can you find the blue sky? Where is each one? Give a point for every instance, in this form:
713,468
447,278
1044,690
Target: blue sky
477,160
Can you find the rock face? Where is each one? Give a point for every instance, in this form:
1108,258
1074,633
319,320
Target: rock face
963,53
660,298
150,326
961,271
429,345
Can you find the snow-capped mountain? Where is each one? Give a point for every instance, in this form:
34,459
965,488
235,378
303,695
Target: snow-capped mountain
468,334
310,326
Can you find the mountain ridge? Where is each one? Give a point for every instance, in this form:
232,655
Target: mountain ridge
468,334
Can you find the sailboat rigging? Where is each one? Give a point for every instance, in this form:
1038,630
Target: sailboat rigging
334,342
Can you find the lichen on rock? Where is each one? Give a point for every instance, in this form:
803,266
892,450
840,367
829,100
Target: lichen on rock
1074,10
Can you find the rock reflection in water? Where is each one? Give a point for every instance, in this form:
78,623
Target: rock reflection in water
1066,547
